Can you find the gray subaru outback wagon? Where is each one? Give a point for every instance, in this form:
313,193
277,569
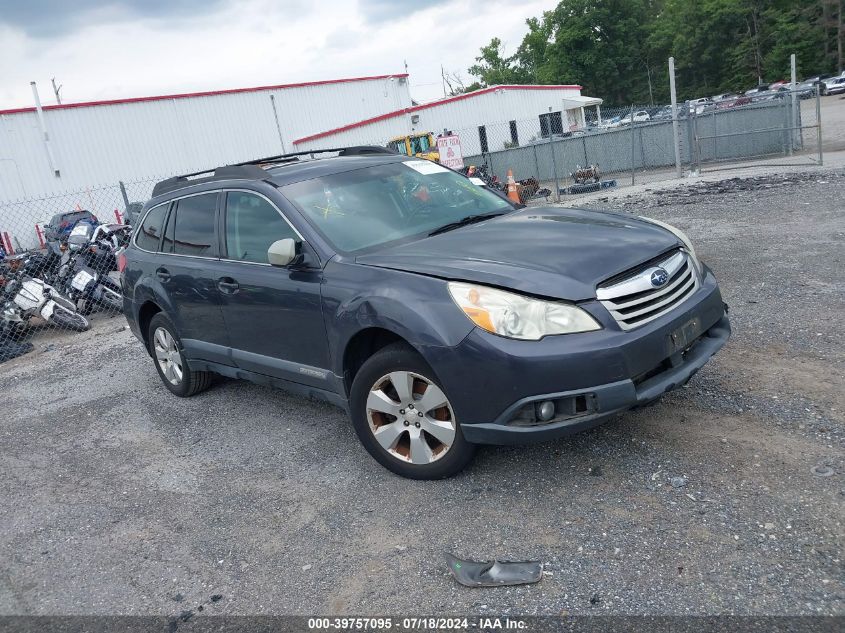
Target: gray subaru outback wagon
438,314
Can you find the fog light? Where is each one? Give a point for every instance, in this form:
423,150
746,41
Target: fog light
546,410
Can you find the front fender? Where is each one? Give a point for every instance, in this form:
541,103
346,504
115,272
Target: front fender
415,307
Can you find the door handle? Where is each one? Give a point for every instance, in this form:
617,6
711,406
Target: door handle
163,274
227,285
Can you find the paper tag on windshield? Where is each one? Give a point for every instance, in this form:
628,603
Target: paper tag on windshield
477,181
425,167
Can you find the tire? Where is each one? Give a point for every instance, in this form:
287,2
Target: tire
112,303
64,318
406,433
170,362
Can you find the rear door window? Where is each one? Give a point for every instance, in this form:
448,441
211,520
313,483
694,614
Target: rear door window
149,234
193,226
252,225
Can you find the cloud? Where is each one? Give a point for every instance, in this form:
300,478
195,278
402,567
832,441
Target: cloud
379,11
50,18
241,43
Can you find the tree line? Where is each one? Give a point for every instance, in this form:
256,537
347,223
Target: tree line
618,49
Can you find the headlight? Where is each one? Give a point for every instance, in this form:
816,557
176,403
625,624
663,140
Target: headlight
515,316
681,236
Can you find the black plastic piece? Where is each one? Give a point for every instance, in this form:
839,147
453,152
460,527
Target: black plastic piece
227,172
494,573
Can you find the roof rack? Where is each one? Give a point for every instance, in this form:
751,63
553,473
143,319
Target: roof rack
252,170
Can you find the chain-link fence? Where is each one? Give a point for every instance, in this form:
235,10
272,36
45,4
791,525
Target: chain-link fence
782,124
59,254
59,261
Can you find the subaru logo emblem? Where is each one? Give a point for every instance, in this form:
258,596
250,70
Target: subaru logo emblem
659,277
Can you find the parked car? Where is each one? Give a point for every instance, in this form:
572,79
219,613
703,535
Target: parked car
665,113
737,101
805,89
698,105
439,315
834,86
613,122
62,224
725,96
768,95
751,92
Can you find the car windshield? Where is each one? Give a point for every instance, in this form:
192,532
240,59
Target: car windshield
364,208
419,144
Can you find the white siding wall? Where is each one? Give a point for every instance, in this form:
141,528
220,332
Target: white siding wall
494,110
100,145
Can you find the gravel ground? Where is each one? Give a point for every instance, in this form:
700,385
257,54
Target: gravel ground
725,497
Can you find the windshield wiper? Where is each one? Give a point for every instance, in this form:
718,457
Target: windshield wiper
470,219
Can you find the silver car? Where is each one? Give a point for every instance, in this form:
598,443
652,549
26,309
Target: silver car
834,86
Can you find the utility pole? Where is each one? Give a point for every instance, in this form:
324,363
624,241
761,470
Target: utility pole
56,90
675,134
840,35
51,160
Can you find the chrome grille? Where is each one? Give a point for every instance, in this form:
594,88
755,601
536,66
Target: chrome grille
634,301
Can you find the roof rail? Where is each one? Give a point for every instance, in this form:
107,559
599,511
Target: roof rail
355,150
252,170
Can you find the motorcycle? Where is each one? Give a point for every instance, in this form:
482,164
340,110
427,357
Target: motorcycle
85,267
30,296
585,175
480,171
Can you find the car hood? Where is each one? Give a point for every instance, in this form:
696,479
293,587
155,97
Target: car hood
551,252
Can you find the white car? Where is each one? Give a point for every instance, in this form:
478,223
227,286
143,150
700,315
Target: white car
834,86
640,116
698,105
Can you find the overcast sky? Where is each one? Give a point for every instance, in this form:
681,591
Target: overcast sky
131,48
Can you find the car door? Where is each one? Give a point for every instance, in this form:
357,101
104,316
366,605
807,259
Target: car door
273,314
186,270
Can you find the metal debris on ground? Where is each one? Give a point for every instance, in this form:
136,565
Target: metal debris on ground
678,482
494,573
822,471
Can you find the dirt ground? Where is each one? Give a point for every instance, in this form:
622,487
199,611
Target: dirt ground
725,497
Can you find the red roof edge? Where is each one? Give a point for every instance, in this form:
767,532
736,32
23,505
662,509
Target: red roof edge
433,104
209,93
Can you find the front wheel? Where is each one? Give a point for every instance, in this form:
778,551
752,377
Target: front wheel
112,300
64,318
404,418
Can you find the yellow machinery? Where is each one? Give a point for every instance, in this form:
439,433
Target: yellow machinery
421,145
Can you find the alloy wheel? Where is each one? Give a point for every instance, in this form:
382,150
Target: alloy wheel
410,417
167,355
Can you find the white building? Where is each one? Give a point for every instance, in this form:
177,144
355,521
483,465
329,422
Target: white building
486,120
91,147
98,144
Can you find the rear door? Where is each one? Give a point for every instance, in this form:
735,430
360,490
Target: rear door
187,271
273,314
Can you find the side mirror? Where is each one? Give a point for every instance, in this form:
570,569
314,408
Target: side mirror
282,252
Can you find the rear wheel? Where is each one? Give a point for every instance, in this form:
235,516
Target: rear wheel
170,362
64,318
404,418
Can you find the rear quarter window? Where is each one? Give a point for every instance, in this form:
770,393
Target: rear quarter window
149,235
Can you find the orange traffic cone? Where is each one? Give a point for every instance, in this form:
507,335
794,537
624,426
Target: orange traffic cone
512,192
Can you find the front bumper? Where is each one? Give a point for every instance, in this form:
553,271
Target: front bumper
496,380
